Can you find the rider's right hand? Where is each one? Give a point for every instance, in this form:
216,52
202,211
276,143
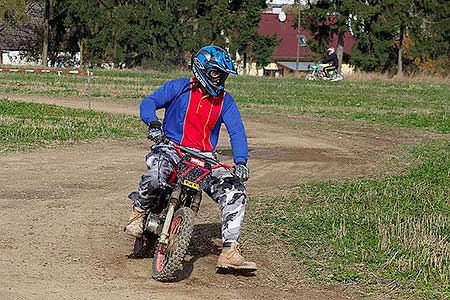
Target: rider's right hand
155,132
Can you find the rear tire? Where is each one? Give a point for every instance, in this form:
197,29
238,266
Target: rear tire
168,259
310,77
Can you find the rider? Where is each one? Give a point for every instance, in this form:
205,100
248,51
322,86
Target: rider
195,108
332,59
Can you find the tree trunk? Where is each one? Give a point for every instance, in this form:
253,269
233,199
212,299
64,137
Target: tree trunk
1,57
340,50
244,64
45,37
400,50
116,63
81,42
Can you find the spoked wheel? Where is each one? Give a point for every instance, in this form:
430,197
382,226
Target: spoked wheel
168,258
310,77
338,77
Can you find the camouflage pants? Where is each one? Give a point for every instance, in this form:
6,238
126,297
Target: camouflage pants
225,189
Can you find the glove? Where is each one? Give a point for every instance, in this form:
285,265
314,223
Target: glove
155,133
242,171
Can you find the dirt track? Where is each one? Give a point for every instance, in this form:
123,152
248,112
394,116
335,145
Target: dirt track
63,210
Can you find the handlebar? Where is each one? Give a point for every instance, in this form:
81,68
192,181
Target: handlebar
180,149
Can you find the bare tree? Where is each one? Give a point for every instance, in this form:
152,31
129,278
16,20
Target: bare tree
45,33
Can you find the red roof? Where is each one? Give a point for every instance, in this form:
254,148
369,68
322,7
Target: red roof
287,36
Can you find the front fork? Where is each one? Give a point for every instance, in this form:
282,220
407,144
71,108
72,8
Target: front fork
174,202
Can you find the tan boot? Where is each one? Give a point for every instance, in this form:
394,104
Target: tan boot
231,258
135,223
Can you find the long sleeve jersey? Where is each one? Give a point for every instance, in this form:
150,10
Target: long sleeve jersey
333,59
193,118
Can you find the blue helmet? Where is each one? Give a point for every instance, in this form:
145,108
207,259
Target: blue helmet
211,66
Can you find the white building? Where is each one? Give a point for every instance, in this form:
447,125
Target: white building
279,3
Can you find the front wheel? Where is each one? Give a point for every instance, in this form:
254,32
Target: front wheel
338,77
168,258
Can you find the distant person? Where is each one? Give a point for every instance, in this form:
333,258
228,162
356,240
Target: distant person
331,59
195,109
60,60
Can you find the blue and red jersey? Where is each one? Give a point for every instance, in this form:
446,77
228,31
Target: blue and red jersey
193,117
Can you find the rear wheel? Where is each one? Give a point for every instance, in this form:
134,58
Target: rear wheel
168,259
310,77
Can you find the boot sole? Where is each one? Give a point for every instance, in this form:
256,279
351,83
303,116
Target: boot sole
133,234
236,268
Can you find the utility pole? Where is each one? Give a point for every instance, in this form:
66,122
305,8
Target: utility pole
298,34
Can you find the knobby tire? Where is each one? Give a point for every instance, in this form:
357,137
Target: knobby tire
168,260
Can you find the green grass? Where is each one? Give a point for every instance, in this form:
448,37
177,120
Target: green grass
396,229
390,103
27,125
402,104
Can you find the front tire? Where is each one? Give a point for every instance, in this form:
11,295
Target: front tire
168,259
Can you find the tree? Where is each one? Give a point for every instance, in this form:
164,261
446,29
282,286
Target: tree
245,39
152,33
263,48
12,12
391,34
326,18
47,8
430,47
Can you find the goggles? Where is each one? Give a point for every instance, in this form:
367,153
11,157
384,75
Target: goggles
216,75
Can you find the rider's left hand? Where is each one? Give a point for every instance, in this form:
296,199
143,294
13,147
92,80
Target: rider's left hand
242,171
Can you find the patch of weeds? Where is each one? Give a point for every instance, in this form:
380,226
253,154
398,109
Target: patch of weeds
346,276
394,229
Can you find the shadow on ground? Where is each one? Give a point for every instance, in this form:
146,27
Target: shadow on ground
202,244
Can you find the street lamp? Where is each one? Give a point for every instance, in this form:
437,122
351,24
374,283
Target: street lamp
298,33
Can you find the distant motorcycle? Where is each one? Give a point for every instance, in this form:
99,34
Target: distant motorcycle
317,73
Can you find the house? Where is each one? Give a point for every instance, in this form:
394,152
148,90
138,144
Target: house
291,46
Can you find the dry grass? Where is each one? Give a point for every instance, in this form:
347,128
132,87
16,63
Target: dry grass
425,235
415,78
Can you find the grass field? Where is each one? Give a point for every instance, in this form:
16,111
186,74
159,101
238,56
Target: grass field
27,125
392,232
395,230
410,105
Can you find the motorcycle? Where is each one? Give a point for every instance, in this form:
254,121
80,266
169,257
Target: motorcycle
169,225
317,73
